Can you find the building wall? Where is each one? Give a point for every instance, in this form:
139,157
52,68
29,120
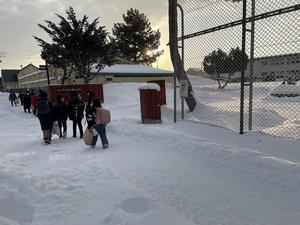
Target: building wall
38,79
139,79
10,85
27,70
113,79
98,80
280,68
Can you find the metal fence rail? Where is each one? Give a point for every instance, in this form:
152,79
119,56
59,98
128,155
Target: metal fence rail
242,59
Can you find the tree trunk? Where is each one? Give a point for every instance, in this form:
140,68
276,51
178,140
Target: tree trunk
64,76
175,57
218,80
228,79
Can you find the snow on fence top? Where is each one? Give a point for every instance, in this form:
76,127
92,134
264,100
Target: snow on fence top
149,86
286,90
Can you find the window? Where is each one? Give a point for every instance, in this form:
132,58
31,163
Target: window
109,78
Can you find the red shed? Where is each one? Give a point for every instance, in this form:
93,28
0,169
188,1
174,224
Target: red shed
82,89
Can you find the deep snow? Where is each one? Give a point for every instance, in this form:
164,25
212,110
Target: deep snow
182,174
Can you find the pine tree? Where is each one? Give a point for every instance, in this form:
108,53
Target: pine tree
76,44
219,63
135,39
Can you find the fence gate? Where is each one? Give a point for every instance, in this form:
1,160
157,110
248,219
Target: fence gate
242,58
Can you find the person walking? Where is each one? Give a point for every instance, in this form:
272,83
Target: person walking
88,109
21,97
76,110
61,115
45,114
27,102
12,98
98,122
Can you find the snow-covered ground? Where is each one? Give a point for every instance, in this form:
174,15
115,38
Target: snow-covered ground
164,174
272,115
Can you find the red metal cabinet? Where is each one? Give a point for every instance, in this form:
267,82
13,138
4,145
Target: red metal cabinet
150,106
162,91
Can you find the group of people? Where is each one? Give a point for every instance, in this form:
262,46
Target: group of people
24,98
49,113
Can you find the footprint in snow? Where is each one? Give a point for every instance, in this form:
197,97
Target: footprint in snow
137,205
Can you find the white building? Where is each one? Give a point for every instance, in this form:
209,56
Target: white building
276,68
271,68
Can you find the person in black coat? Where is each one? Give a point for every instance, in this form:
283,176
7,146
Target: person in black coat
27,102
21,97
76,110
61,115
46,116
13,98
89,113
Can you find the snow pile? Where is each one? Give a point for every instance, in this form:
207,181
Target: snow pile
286,90
149,86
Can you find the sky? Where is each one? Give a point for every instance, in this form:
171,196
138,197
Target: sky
19,19
274,36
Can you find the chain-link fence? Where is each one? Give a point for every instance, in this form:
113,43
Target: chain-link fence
242,59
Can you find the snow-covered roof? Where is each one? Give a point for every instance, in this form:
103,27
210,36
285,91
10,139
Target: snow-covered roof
131,69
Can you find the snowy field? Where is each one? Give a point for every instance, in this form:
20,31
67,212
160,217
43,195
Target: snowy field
183,174
278,116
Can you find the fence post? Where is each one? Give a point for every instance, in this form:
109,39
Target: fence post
251,66
242,98
182,52
174,47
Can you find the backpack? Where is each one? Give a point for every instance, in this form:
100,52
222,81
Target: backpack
43,107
